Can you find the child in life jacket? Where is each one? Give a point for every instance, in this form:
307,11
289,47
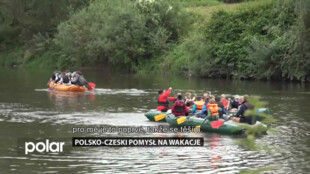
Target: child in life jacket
213,110
198,105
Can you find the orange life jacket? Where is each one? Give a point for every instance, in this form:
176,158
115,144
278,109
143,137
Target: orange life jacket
214,109
199,105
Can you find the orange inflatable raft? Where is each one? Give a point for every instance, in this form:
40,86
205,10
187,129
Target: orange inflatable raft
71,88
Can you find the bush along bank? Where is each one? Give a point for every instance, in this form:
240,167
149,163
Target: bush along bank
268,40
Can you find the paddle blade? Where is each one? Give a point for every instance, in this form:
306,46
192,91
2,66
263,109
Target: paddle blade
159,117
216,124
92,85
181,120
89,88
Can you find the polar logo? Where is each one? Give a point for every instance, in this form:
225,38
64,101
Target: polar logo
44,147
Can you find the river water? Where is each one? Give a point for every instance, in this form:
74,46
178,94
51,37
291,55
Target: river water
28,110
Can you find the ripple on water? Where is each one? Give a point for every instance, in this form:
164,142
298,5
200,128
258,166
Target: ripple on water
289,145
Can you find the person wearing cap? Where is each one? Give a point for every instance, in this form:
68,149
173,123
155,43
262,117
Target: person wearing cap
240,115
164,99
235,103
179,108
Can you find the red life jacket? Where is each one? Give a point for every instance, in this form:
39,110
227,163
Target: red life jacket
163,103
180,106
225,102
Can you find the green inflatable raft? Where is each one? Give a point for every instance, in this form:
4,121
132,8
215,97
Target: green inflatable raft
151,115
229,127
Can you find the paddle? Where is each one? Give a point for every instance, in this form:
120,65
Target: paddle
181,120
91,86
159,117
174,95
54,85
217,124
214,124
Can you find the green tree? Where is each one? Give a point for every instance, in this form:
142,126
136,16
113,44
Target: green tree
21,19
122,33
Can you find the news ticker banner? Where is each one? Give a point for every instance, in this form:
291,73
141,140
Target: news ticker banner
135,141
62,145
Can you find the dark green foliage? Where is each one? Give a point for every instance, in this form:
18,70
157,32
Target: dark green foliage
122,33
296,61
287,54
21,19
268,40
230,35
26,24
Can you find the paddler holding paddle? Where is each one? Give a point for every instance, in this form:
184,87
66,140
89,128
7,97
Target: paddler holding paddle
164,99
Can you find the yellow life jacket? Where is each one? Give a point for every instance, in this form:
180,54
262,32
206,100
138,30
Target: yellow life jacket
199,105
214,109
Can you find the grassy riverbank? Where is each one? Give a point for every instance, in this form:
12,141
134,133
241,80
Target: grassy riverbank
261,39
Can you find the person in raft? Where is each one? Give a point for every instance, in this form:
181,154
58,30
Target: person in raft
56,76
164,99
205,95
225,102
179,108
235,104
188,100
213,111
78,79
204,107
64,79
220,105
69,74
198,105
240,115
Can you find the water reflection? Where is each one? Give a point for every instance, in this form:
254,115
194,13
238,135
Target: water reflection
215,157
68,100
